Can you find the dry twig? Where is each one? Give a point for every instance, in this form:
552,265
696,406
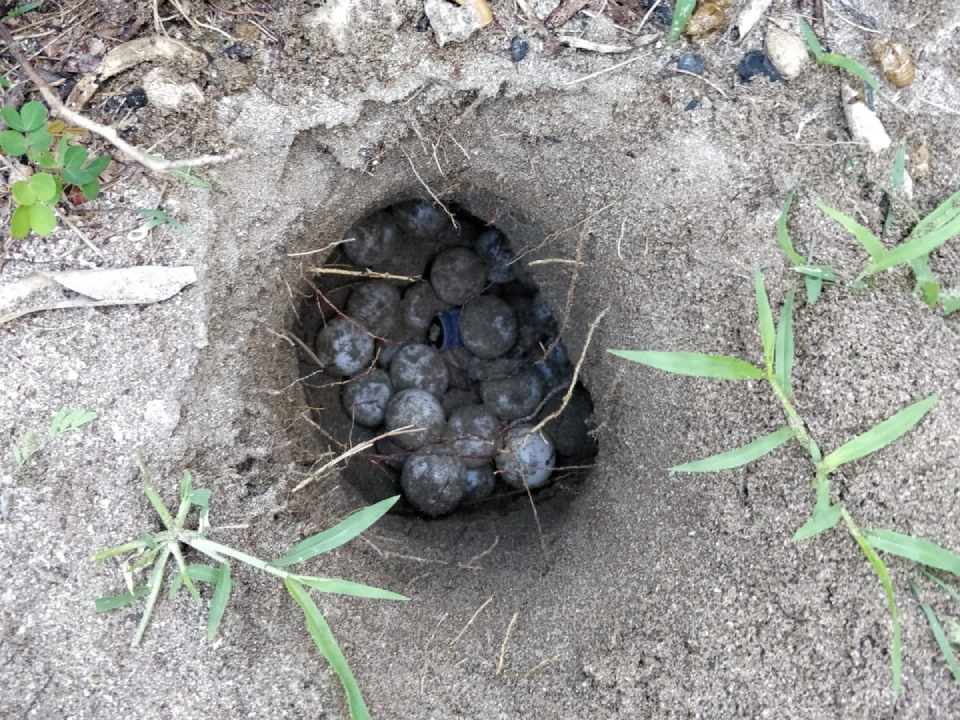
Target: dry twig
503,647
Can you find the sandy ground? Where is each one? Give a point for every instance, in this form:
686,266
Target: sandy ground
661,595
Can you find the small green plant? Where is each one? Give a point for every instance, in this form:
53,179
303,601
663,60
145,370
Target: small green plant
153,550
23,9
32,441
778,352
29,134
682,12
840,61
156,218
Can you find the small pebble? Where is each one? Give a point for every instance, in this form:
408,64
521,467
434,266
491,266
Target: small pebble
518,48
136,99
526,457
374,305
756,63
365,398
457,276
473,432
434,484
488,327
690,62
420,366
419,409
344,346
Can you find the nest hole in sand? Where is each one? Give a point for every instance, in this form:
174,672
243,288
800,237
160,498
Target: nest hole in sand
439,328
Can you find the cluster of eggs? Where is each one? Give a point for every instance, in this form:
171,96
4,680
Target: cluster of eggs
454,368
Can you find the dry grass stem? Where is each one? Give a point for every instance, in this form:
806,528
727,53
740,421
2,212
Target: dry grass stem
568,307
430,190
480,556
353,451
601,48
503,646
324,249
541,664
107,133
703,79
554,261
470,621
591,76
363,274
554,235
576,374
426,655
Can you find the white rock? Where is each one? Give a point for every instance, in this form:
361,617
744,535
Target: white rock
751,13
451,23
786,51
865,127
165,92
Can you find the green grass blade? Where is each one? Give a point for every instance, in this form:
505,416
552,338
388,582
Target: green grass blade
783,236
942,214
821,272
739,456
336,536
203,573
911,548
767,330
165,517
695,364
851,66
822,519
102,555
175,586
879,436
148,557
814,287
784,351
871,243
941,584
880,569
918,247
67,420
184,574
156,582
937,629
816,49
927,283
327,644
218,604
345,587
899,166
681,16
115,602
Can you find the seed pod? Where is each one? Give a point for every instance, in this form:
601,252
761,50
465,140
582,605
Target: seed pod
709,16
894,60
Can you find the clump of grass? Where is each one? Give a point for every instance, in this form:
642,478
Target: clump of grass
778,358
33,441
154,550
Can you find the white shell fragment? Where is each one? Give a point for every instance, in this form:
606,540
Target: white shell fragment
751,13
786,51
865,127
164,90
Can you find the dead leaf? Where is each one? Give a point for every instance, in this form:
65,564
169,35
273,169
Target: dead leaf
141,285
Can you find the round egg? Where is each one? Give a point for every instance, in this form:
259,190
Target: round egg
527,457
473,432
488,327
365,397
372,240
344,346
434,484
374,304
418,409
420,366
457,275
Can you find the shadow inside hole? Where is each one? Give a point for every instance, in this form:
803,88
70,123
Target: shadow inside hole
420,322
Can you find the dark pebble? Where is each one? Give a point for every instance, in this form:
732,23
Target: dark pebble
518,48
423,24
692,104
756,63
136,98
690,62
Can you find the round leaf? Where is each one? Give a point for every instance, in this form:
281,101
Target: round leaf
20,222
91,189
98,165
33,114
76,176
11,117
23,193
44,186
42,219
13,143
56,127
75,157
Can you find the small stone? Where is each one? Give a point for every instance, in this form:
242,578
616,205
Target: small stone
365,398
756,63
518,48
481,483
374,305
420,366
344,346
473,432
419,409
527,457
451,23
168,92
434,484
690,62
420,306
372,240
136,99
457,276
514,397
786,51
488,327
